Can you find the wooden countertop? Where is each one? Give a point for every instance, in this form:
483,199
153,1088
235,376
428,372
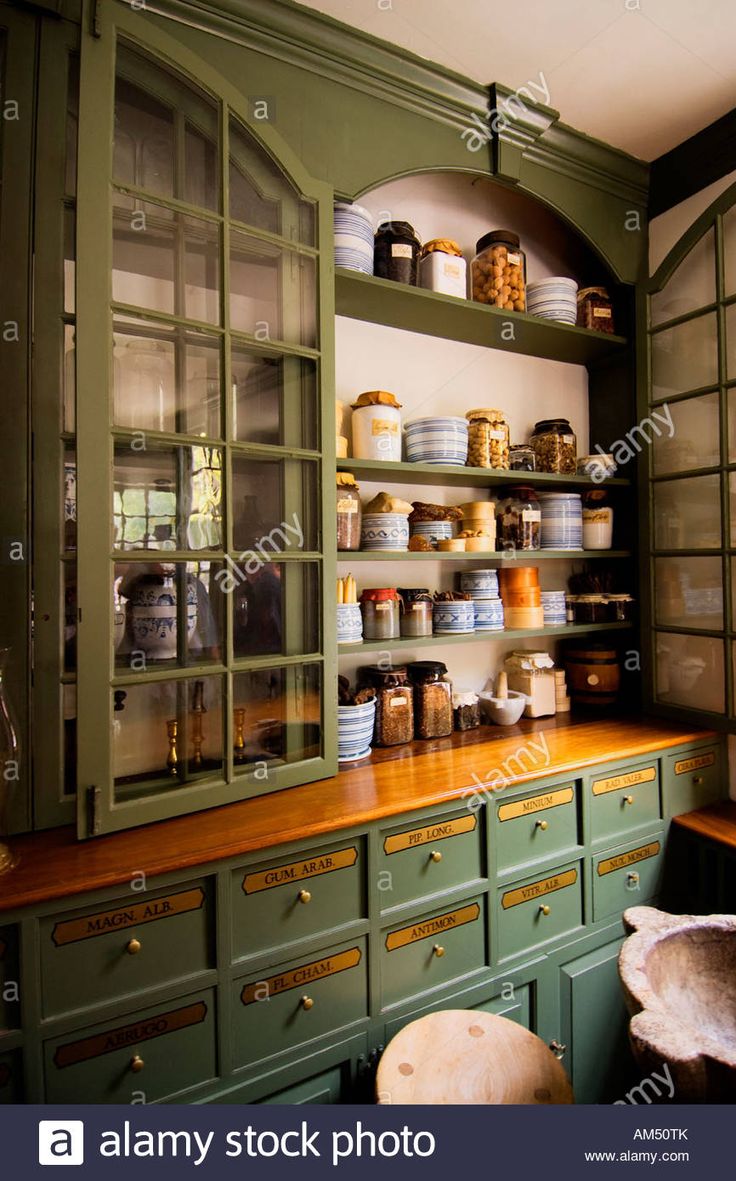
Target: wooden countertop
55,865
717,822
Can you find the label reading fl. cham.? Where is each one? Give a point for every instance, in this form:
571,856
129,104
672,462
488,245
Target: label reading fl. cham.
261,990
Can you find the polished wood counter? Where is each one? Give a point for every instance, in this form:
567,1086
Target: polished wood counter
716,823
55,865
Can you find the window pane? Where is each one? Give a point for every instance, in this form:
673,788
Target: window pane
729,250
692,286
146,610
69,379
731,342
276,608
275,506
695,437
72,126
687,514
70,260
272,292
261,195
689,592
685,357
166,734
690,671
147,243
277,715
166,379
71,615
168,499
274,399
70,498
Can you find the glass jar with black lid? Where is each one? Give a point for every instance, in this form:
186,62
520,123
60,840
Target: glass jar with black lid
394,703
555,446
432,699
396,249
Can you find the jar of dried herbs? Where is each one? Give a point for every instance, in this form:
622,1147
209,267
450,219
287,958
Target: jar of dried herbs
394,703
432,699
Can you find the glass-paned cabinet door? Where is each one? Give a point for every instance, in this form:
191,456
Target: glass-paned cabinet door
205,662
692,466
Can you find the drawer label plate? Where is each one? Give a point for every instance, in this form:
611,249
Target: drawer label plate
129,1036
102,922
682,766
540,803
537,889
643,853
627,779
434,926
263,990
414,837
297,871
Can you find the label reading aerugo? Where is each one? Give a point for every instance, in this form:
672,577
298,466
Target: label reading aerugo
126,1036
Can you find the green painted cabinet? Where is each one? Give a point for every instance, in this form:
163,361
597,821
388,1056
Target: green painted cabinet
624,801
435,949
538,910
424,859
537,826
594,1025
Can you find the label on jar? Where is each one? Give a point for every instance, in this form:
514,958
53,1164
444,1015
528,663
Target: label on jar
347,506
399,250
531,514
497,435
597,516
602,313
383,606
568,439
452,270
514,260
384,426
394,701
419,606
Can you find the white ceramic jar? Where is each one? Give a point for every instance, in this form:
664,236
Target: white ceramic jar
598,527
442,268
377,432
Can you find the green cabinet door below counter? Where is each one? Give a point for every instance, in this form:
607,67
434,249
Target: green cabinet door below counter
594,1026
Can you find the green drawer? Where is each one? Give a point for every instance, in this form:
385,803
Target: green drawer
534,911
434,949
327,1087
626,876
147,1057
693,779
11,1077
423,859
9,979
540,824
94,955
621,802
301,1000
283,900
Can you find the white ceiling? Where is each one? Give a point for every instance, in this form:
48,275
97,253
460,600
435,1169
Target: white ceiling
640,74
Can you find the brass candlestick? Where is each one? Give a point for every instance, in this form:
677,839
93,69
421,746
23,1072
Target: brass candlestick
239,736
172,759
198,708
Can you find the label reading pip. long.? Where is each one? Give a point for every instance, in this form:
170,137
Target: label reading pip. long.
682,766
627,779
434,926
643,853
537,889
263,990
127,1036
414,837
102,922
296,871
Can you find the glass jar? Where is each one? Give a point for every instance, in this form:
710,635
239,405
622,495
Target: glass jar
555,447
499,271
432,699
380,610
620,608
519,520
442,268
466,707
396,252
521,458
597,520
349,512
394,703
416,611
595,309
591,609
488,439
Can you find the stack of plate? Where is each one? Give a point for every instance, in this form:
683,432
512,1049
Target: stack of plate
553,299
433,530
353,238
553,605
562,520
385,531
437,440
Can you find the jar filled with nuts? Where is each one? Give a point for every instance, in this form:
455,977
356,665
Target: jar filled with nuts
488,439
499,271
555,446
519,519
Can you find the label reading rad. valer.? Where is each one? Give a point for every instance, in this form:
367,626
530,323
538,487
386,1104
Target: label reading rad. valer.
627,779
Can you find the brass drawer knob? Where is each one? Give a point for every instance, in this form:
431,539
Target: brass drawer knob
558,1049
307,1003
632,878
435,855
542,825
304,896
133,947
544,909
698,780
628,799
438,950
136,1064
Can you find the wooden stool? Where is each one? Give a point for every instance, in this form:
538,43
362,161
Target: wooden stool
463,1056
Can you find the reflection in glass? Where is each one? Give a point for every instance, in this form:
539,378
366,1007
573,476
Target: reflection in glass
275,608
690,671
69,579
731,342
274,399
689,592
277,715
70,498
260,193
70,379
272,292
166,733
685,357
153,604
695,441
169,381
692,286
168,499
275,506
69,707
687,514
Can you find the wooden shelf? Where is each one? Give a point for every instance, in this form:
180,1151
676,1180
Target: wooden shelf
381,471
396,305
550,633
523,557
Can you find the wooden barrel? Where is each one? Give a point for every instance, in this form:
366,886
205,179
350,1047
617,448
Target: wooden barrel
593,674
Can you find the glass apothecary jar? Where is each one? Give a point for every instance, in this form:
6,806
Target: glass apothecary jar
488,439
416,611
595,309
519,520
466,708
394,703
432,699
521,458
396,252
381,609
499,271
555,446
349,513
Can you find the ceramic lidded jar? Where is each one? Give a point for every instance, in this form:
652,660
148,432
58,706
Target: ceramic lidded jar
153,605
376,426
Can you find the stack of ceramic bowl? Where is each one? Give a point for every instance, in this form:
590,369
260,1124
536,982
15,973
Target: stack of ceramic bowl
479,520
522,597
353,238
553,299
355,730
441,440
453,618
482,586
433,531
385,531
553,606
562,520
349,623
